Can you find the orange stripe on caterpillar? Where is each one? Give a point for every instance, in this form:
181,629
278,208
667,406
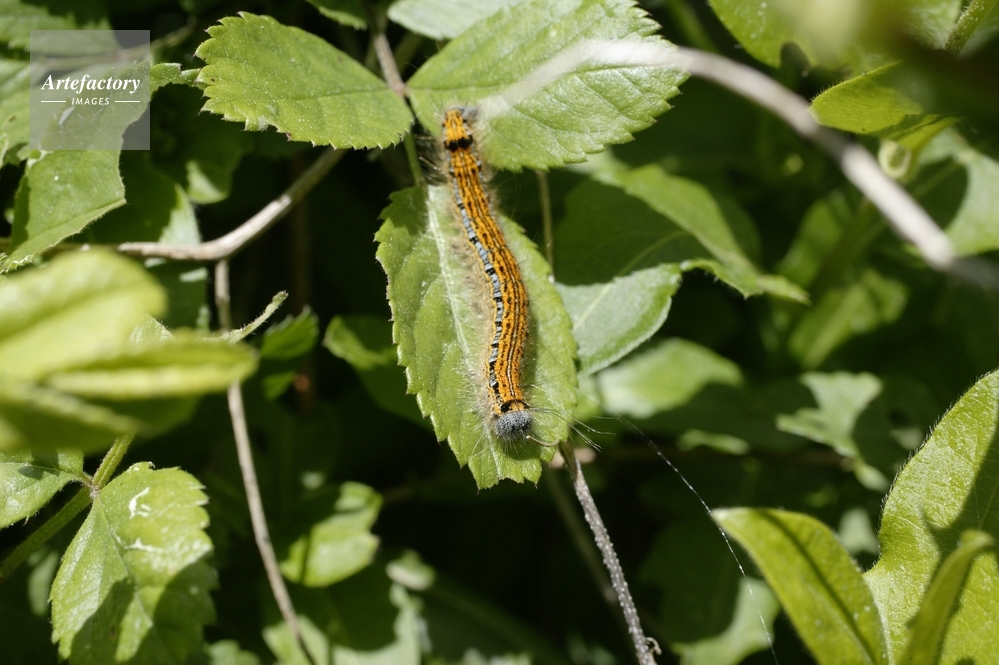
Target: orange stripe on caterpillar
511,415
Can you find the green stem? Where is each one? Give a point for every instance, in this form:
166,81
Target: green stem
111,461
413,157
546,217
966,26
41,535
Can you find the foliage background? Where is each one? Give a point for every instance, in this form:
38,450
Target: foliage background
764,401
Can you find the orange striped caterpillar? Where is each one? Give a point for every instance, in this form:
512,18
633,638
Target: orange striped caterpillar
511,415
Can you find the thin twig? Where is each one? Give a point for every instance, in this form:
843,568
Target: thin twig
618,583
257,517
234,241
902,212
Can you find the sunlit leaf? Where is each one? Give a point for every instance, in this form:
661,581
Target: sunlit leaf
30,479
444,19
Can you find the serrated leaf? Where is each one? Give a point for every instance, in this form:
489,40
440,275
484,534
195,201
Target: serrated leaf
930,626
19,18
947,488
441,330
611,319
134,584
526,64
365,619
338,544
179,367
31,478
166,73
366,343
444,19
663,377
262,73
870,302
198,150
60,193
817,583
291,338
77,309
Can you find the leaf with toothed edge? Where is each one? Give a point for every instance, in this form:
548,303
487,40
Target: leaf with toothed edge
442,335
262,73
555,80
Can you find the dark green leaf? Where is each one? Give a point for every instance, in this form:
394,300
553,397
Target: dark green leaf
18,18
134,584
442,335
817,583
348,12
262,73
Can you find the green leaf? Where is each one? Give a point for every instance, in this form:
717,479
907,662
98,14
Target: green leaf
60,193
524,65
198,150
15,104
930,626
663,377
841,397
224,652
442,334
870,302
444,19
365,619
166,73
817,583
866,104
18,18
338,544
713,614
158,209
31,478
78,309
947,488
821,228
176,367
347,12
134,583
957,187
291,338
366,343
611,319
262,73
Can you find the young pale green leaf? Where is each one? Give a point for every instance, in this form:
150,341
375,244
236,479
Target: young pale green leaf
444,19
366,343
158,209
133,585
365,619
346,12
204,150
959,171
525,65
177,367
19,17
930,626
817,583
166,73
262,73
224,652
610,319
340,542
60,193
866,104
29,479
439,306
78,309
947,488
870,302
291,338
841,398
15,104
664,377
713,614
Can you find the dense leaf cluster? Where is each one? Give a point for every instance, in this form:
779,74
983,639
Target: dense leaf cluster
715,298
